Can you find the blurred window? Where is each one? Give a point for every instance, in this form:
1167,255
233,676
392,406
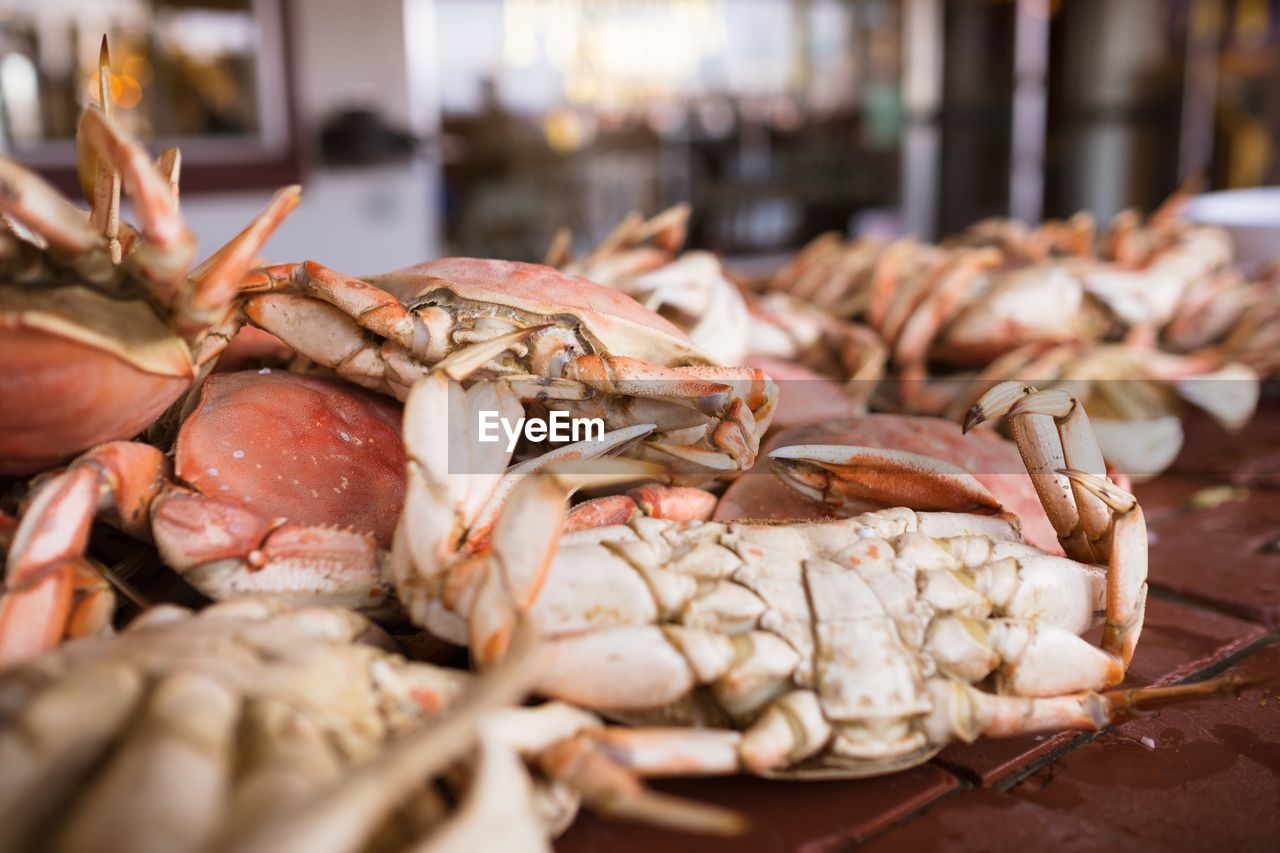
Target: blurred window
776,118
207,75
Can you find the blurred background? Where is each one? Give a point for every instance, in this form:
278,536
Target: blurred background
428,127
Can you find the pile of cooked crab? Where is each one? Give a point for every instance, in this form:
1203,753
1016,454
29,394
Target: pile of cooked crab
726,582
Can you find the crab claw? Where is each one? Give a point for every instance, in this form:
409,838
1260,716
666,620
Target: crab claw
1126,563
524,543
1053,432
858,478
995,402
1096,520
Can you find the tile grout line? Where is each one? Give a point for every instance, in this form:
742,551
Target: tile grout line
965,785
1157,590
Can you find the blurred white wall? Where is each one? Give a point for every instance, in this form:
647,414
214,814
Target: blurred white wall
355,220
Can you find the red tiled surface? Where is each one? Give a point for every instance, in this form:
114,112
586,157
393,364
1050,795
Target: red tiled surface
989,760
1207,776
1251,457
1179,640
808,816
984,820
1226,556
1169,498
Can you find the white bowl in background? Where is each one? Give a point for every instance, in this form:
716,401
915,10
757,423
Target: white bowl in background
1252,217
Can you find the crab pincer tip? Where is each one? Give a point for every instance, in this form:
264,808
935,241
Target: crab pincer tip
972,418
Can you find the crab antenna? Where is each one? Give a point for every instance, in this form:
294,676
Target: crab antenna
105,215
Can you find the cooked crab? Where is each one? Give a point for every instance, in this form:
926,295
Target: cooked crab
103,327
278,483
572,345
256,725
845,648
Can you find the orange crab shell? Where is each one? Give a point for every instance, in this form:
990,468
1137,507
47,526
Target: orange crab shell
282,445
619,324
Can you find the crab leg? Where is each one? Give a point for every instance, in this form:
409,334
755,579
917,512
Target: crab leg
424,333
1095,519
497,812
167,247
329,336
561,739
885,278
509,579
955,283
822,271
856,266
793,728
739,419
340,815
104,213
218,279
35,204
169,166
45,566
458,489
817,248
1052,432
790,729
967,713
1126,565
163,790
674,503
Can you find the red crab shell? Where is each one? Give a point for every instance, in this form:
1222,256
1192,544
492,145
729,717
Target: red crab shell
315,451
992,460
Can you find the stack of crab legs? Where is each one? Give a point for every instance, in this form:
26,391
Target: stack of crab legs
311,507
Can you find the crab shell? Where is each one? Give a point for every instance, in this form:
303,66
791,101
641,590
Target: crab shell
285,484
316,451
614,322
993,461
80,369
